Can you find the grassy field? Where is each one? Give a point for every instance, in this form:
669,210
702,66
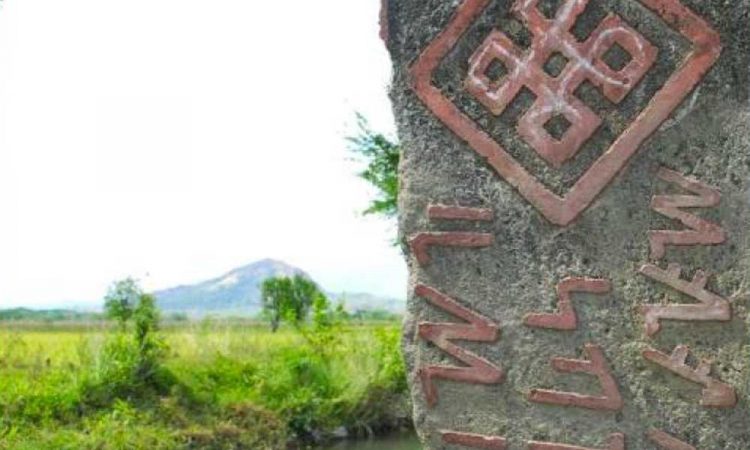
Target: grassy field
220,385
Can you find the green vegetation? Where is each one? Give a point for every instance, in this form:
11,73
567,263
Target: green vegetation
375,315
289,299
382,156
121,300
214,384
50,315
230,384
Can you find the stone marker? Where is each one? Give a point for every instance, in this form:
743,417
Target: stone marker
575,206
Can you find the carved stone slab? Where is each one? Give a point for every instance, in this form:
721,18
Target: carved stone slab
575,211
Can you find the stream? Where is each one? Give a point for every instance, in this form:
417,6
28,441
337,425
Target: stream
402,441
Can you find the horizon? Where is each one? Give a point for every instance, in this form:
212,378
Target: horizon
171,157
97,305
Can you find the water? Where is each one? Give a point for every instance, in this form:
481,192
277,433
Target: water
405,441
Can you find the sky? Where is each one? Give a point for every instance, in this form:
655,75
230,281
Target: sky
174,140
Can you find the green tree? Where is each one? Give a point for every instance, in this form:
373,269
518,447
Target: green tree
382,156
288,299
121,300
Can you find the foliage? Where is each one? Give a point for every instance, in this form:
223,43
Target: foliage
382,156
137,386
121,300
288,299
326,330
221,385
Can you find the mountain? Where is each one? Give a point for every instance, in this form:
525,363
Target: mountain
235,292
238,293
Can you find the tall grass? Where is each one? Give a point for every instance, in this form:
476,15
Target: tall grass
221,385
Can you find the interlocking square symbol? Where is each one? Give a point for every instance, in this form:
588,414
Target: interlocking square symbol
558,124
555,92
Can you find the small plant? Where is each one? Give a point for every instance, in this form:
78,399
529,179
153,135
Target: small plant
326,329
151,348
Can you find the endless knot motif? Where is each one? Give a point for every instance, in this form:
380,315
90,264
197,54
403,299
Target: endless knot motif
555,99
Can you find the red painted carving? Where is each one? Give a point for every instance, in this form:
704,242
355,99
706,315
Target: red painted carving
716,394
564,210
478,329
420,243
610,400
711,308
460,213
567,319
615,442
384,21
668,442
701,231
554,95
475,440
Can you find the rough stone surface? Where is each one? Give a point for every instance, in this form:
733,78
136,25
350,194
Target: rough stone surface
489,326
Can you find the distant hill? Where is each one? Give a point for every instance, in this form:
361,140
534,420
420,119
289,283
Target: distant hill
238,293
234,292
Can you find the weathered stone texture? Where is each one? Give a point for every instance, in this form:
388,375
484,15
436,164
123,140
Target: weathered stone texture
667,235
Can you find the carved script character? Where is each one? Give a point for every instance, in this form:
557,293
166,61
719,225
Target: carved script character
711,308
611,400
444,212
701,231
668,442
474,440
716,394
615,442
478,329
567,319
423,241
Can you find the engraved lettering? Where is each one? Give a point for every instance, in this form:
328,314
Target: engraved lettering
567,319
421,243
716,394
474,440
460,213
711,308
615,442
478,329
668,442
610,400
701,231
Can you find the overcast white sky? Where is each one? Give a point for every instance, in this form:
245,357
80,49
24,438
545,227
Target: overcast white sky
173,140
